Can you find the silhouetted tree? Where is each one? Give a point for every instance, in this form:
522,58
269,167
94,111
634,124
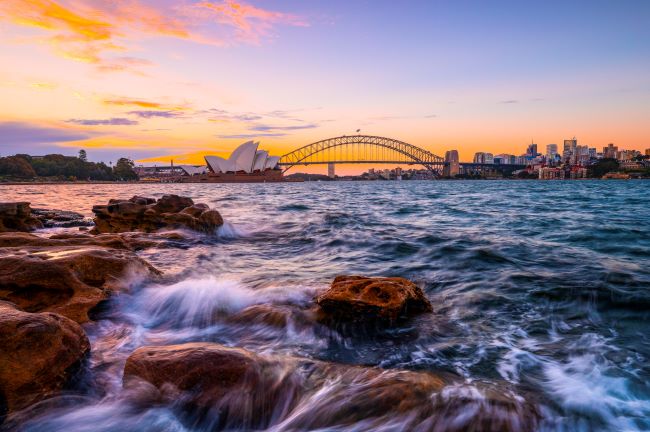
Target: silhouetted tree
83,156
124,169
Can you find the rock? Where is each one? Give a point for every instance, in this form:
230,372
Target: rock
68,280
235,388
127,241
17,216
247,390
148,215
61,218
368,299
40,352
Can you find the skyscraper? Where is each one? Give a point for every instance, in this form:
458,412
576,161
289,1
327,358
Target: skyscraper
531,152
551,151
610,152
569,153
452,167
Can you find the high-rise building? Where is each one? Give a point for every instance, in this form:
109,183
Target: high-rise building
610,152
489,158
531,151
452,166
647,152
569,151
551,151
479,157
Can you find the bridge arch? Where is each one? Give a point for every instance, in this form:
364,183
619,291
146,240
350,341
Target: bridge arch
365,149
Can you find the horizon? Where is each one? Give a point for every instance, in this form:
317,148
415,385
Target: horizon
154,81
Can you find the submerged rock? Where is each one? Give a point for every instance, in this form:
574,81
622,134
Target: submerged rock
69,280
364,299
40,351
148,215
235,388
17,216
61,218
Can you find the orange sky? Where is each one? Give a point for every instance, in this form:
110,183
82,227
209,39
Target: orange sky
180,79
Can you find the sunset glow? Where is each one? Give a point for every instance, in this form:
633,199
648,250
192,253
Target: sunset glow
161,80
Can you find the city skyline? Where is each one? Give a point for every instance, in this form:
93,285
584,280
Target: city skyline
161,80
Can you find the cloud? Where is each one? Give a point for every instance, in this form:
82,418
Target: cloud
104,122
246,136
250,23
510,101
141,103
25,137
219,115
151,114
283,128
43,86
87,31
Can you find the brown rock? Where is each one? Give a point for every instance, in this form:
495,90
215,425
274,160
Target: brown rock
148,215
17,216
69,280
39,353
245,388
359,298
251,390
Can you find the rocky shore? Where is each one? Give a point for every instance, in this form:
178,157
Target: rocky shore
51,285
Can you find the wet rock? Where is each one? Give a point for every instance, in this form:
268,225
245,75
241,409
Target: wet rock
68,280
371,299
17,216
244,389
128,241
240,388
61,218
148,215
40,352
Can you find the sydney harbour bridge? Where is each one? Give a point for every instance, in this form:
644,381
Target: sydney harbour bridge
368,149
362,149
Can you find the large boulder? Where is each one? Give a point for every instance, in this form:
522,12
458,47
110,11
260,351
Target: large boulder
68,280
371,299
60,218
235,388
40,352
17,216
148,215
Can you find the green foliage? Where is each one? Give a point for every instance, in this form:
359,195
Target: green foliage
124,169
602,167
16,166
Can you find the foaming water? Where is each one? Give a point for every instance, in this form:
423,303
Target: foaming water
540,293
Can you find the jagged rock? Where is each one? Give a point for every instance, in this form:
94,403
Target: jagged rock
17,216
239,389
60,218
69,280
40,351
145,214
365,299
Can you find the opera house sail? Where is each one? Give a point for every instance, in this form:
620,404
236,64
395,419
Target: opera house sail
245,164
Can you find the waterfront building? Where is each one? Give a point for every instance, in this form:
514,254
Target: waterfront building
246,158
489,158
647,152
504,159
479,157
549,173
160,172
452,167
610,152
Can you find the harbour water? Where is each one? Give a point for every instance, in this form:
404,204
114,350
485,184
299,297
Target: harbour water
542,288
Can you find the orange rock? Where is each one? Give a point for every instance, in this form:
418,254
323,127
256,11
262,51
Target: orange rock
39,353
359,298
17,216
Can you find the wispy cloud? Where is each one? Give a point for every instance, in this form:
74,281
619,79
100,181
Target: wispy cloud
103,122
219,115
250,23
510,101
21,134
143,103
152,114
246,136
264,128
89,31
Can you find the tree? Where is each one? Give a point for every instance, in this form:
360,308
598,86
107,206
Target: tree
16,166
602,167
83,156
124,169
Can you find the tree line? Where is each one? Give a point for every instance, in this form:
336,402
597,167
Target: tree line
23,166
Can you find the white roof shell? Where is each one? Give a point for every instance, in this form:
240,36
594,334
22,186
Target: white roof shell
245,158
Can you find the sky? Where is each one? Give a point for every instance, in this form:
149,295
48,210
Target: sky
155,80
